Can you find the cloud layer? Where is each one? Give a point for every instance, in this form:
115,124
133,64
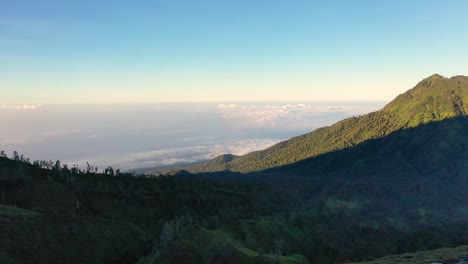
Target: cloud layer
271,115
170,156
137,136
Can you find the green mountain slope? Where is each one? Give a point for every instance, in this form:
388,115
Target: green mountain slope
433,99
219,162
408,187
437,148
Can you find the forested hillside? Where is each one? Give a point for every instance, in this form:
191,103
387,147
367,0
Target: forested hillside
51,213
387,183
266,217
433,99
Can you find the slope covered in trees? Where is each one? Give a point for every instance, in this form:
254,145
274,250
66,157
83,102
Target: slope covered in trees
87,217
394,190
433,99
408,187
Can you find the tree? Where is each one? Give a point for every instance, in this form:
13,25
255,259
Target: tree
74,169
16,156
109,171
220,252
3,154
65,168
89,168
57,166
167,234
278,249
261,259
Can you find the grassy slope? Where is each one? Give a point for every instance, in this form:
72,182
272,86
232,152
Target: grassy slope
444,255
433,99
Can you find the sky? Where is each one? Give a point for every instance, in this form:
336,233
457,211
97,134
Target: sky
62,52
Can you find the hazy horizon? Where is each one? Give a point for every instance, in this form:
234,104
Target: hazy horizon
152,135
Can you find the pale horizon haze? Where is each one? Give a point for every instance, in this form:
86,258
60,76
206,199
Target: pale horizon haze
131,136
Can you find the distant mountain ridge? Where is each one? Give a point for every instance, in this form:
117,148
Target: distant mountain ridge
433,99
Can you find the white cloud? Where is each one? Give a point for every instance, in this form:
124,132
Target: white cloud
21,107
224,128
179,155
60,132
250,115
229,106
276,115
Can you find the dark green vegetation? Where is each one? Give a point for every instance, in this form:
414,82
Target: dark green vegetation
61,215
443,255
386,183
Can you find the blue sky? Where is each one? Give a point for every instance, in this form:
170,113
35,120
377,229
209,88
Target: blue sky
174,50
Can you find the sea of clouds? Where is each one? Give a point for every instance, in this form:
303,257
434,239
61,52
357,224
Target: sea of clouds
152,135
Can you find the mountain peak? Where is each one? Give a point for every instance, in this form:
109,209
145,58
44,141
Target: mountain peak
435,95
431,80
435,76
